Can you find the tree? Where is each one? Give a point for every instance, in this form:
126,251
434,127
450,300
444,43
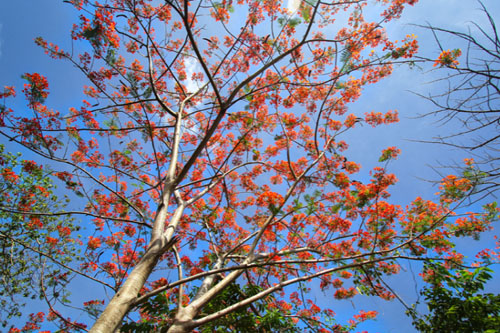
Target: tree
454,302
471,95
28,240
210,148
256,318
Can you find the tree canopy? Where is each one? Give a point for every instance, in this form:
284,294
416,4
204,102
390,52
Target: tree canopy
204,181
455,301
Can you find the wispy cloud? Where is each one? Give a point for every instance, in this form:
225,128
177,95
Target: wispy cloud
192,66
293,6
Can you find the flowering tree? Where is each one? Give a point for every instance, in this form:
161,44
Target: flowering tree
208,161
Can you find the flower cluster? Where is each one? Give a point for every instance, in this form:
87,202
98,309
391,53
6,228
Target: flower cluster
448,58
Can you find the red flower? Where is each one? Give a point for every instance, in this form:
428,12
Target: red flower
94,243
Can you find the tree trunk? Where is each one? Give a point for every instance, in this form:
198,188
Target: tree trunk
111,318
183,320
178,328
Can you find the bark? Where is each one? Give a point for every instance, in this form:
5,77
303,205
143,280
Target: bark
183,321
111,318
122,302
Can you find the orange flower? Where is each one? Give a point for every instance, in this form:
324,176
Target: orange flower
448,58
94,243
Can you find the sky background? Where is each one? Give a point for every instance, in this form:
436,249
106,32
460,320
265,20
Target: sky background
23,20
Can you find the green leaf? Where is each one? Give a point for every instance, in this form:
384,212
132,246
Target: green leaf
294,22
305,13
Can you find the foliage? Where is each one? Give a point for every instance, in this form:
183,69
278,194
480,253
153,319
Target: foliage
455,302
208,160
33,243
258,317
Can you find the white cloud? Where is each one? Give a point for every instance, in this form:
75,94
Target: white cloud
192,66
293,6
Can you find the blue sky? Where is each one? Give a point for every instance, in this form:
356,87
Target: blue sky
23,20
